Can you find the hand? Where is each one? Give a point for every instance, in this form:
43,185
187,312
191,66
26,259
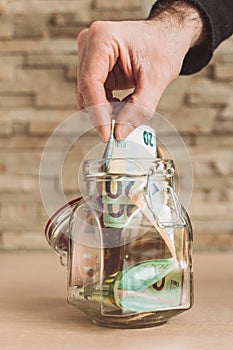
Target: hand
146,55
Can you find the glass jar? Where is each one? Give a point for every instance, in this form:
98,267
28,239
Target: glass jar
129,245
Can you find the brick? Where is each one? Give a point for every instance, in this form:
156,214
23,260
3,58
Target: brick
51,61
214,162
223,127
116,15
218,227
217,196
12,60
31,114
42,127
201,168
2,7
6,128
90,146
174,95
82,7
206,72
20,128
65,32
120,4
48,95
53,196
15,88
227,113
224,167
225,52
221,141
29,26
220,210
63,19
21,240
16,101
229,183
170,101
46,127
71,73
16,183
2,167
198,197
217,96
13,162
190,120
33,142
70,185
6,27
213,242
7,72
38,46
207,183
229,194
146,7
208,153
72,125
223,72
19,214
70,19
45,95
53,166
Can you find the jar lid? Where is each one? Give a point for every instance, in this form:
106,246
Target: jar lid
57,227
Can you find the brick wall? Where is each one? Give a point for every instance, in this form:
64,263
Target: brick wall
37,77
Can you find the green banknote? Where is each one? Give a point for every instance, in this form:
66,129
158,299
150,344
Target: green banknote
146,286
163,294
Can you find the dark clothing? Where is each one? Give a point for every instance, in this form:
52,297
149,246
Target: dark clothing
218,17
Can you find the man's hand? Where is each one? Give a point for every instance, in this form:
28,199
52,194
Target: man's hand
146,55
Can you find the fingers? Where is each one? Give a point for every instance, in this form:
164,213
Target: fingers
96,60
121,55
130,117
81,43
140,107
100,116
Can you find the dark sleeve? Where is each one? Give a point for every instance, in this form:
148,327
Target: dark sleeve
218,18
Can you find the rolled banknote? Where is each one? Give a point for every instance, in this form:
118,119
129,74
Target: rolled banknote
135,288
122,195
125,157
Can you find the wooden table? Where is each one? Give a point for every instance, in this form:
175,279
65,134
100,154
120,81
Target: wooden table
34,313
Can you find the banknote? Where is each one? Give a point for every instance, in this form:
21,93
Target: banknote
125,157
160,295
122,195
134,287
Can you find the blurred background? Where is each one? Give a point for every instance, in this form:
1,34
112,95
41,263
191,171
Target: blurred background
38,58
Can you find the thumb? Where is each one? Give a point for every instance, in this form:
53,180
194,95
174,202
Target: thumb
139,109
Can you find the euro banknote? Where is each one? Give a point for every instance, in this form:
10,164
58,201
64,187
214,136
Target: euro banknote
127,163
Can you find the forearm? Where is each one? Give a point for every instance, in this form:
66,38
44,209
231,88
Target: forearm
218,25
182,15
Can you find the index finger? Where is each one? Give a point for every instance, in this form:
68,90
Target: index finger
97,61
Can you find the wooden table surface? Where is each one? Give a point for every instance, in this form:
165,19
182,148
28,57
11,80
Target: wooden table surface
34,313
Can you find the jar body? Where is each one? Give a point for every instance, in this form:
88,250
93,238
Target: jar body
130,251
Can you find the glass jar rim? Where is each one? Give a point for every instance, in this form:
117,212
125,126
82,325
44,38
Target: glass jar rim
140,167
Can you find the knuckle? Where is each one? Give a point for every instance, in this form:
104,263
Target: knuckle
99,28
83,83
81,37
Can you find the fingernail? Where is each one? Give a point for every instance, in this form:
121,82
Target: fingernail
103,133
122,131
